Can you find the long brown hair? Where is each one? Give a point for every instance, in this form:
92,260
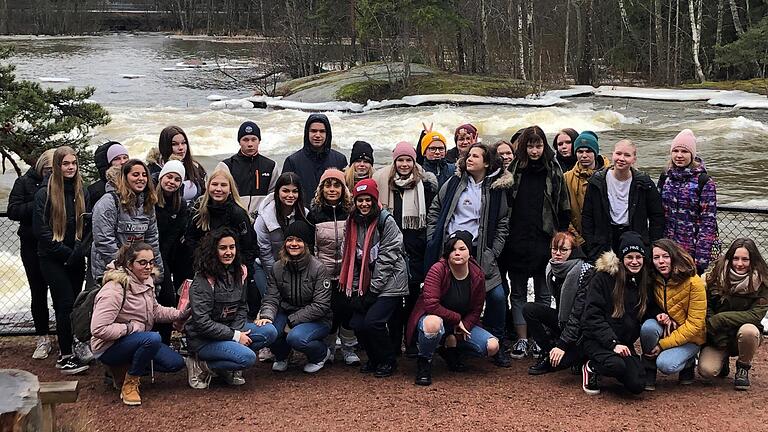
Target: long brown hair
128,196
717,279
532,135
165,145
620,287
682,266
202,217
57,201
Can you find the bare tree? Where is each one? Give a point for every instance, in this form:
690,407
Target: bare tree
521,51
693,6
736,19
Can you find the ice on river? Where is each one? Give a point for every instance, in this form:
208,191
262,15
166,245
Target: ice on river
727,98
54,79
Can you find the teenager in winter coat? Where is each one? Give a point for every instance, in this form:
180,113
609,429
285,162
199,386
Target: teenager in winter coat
220,206
360,164
540,207
172,218
374,276
174,144
565,153
448,311
431,156
464,137
221,338
297,307
673,334
124,312
21,207
617,299
59,225
737,300
279,210
330,209
588,162
557,331
689,199
406,191
110,154
476,201
125,215
315,157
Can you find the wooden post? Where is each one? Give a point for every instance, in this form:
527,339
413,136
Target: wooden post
20,406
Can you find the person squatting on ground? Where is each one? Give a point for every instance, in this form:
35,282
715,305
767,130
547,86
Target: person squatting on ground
689,199
373,266
222,340
124,312
330,209
540,207
59,224
673,334
174,145
737,300
360,164
446,317
558,331
617,299
21,208
124,215
406,191
296,312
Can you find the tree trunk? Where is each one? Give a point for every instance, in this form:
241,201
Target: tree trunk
529,24
511,29
658,27
720,13
459,52
677,41
736,19
353,30
585,70
567,34
485,58
4,18
521,49
696,35
261,16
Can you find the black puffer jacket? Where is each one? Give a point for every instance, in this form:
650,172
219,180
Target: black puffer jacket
21,201
300,289
171,226
227,214
46,245
97,189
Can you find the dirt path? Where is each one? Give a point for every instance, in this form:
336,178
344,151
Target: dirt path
340,398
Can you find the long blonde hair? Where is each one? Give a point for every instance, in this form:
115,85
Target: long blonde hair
44,159
57,199
128,196
202,217
349,175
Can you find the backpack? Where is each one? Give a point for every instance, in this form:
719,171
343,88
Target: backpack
703,179
82,313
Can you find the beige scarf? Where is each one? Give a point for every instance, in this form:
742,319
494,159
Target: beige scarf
414,211
740,282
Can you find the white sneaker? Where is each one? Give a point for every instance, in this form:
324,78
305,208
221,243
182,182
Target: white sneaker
198,376
314,367
233,377
265,355
280,365
43,348
350,357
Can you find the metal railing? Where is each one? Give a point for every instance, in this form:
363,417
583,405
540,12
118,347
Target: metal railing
16,318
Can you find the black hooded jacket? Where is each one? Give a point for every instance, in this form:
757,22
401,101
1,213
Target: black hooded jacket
97,189
21,201
310,164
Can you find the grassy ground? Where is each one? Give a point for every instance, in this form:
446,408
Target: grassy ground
754,85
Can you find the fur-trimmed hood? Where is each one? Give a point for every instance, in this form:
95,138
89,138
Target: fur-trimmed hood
125,279
608,262
503,181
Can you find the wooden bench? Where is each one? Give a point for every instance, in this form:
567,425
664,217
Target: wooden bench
52,394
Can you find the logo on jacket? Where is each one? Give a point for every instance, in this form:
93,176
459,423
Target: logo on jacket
326,284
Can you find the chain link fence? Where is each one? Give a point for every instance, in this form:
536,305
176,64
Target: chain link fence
16,318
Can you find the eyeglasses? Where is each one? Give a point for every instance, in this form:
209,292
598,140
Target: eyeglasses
145,263
560,249
436,149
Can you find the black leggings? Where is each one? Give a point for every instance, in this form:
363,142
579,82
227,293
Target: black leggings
38,288
399,320
544,328
65,283
628,370
371,329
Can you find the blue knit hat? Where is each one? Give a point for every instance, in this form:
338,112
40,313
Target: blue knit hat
587,139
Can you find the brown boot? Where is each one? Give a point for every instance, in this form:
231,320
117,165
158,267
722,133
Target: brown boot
118,375
130,391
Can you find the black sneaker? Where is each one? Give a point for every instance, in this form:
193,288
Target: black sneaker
725,370
502,359
368,367
520,349
741,379
590,381
541,367
423,371
385,369
71,365
534,349
688,374
650,379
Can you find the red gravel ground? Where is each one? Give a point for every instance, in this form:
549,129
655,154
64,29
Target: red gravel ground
340,398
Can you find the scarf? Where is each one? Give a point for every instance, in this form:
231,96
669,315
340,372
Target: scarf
347,276
414,211
562,270
740,283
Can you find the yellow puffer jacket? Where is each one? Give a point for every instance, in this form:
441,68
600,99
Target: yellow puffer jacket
576,181
686,304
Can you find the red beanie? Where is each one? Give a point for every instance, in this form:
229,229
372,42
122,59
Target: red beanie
403,148
367,187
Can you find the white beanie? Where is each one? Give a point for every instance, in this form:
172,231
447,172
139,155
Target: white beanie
173,166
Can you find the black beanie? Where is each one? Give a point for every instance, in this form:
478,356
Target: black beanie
361,150
302,230
462,235
248,128
631,241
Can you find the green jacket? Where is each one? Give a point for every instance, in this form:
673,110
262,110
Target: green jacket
726,313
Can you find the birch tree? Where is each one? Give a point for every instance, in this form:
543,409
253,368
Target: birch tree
695,18
736,19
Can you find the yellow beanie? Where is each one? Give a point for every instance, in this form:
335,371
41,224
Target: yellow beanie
429,137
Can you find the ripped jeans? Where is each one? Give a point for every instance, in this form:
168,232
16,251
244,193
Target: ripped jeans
476,344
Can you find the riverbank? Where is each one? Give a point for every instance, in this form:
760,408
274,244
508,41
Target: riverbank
754,85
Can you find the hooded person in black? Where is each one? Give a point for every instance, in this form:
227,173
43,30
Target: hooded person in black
315,157
97,189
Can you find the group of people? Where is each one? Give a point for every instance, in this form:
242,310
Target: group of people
431,253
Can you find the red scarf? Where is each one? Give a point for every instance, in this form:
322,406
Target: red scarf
347,276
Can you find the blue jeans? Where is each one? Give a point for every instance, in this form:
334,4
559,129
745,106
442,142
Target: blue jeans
307,338
476,344
260,279
139,349
232,356
670,361
495,316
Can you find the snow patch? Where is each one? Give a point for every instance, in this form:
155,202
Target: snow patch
725,98
215,97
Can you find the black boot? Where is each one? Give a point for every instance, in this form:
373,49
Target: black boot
502,359
649,365
741,379
423,371
541,367
725,369
386,369
688,374
452,358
